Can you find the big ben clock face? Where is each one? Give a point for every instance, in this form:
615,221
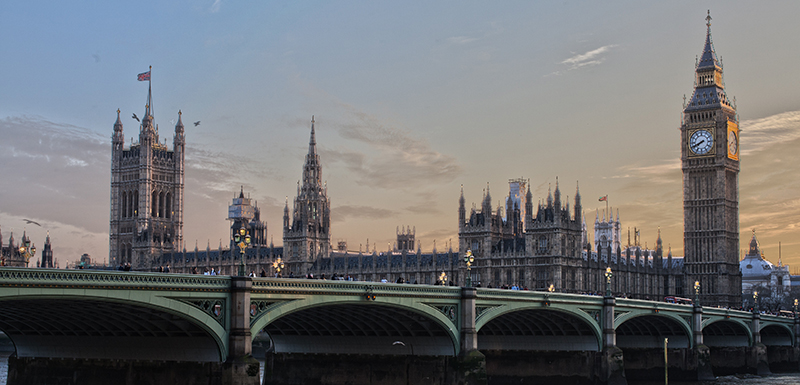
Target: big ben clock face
733,146
733,140
701,142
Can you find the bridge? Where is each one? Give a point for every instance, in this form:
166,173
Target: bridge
166,325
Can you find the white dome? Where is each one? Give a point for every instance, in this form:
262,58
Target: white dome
753,266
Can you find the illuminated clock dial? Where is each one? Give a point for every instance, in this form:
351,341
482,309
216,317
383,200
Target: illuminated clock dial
701,141
733,144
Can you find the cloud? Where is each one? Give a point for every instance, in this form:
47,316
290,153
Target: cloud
54,171
758,134
215,7
589,58
392,158
342,213
461,40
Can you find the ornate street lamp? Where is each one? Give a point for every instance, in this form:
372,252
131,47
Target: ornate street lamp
551,288
242,239
697,293
443,279
755,302
795,308
468,259
27,251
609,274
278,266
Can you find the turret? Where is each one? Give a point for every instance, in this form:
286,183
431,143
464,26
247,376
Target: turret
578,208
462,210
557,197
529,208
118,139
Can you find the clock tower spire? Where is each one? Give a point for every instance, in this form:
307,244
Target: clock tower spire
710,165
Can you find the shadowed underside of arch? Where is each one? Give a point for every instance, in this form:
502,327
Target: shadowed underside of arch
537,329
726,333
649,331
89,328
359,329
776,335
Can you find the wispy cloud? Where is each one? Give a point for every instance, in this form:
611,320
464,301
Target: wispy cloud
342,213
392,158
461,40
758,134
589,58
215,7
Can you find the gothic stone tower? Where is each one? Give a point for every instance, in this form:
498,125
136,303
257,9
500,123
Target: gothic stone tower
146,194
308,237
710,164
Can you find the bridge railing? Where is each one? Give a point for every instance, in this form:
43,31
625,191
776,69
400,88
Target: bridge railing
310,286
11,276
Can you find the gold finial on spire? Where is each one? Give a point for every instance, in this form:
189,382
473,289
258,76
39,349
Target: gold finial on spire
708,19
179,112
117,111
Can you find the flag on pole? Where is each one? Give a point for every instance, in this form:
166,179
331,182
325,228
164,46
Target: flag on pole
603,198
143,77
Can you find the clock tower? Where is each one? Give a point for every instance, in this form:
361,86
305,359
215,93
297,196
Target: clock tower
710,164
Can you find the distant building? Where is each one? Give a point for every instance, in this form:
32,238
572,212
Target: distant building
10,254
758,273
146,194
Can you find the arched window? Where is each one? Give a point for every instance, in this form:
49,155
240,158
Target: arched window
161,205
168,206
124,200
135,202
154,205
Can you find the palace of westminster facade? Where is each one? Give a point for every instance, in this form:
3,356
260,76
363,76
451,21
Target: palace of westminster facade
538,247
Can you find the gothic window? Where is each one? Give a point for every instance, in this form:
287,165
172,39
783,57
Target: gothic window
154,205
542,245
311,250
136,203
168,206
124,204
161,205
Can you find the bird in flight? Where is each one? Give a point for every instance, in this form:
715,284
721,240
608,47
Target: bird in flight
197,123
136,117
30,222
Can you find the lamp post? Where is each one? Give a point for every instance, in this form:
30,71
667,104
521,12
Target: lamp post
242,239
278,266
27,251
443,279
755,302
609,274
696,293
795,308
468,259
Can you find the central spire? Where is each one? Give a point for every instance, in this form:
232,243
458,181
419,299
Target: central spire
312,142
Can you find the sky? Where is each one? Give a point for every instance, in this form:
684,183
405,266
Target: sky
412,100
